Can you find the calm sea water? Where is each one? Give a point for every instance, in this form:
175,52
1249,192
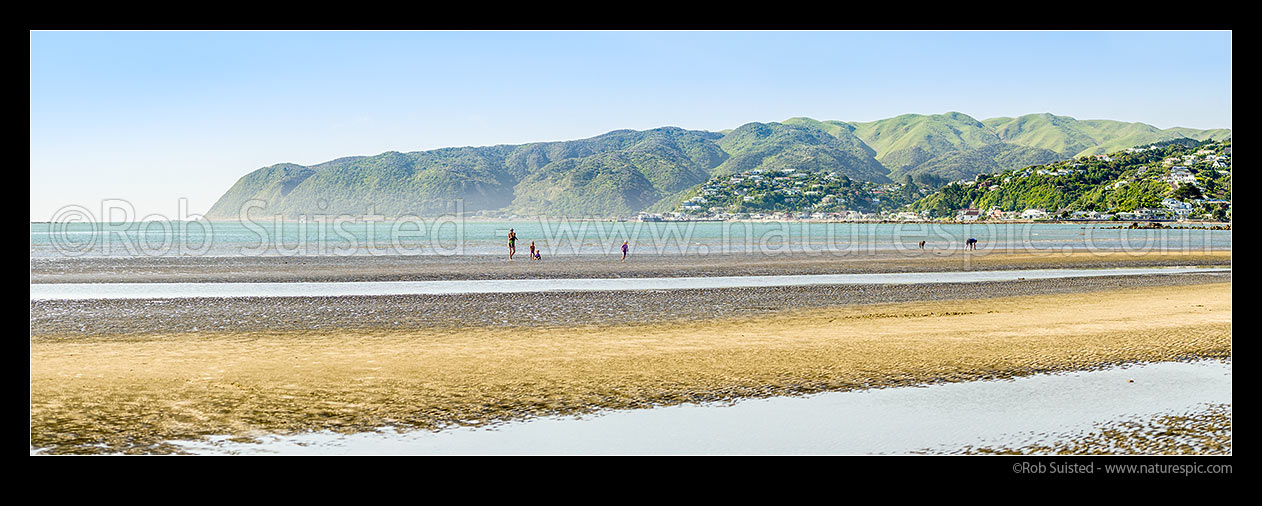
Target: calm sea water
562,237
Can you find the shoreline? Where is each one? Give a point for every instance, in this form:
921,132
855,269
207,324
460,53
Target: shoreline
435,268
518,219
1041,409
1202,431
630,286
143,390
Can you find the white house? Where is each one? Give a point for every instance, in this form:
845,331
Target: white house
968,215
1170,203
1181,175
1034,214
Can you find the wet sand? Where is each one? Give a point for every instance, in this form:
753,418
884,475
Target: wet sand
1205,431
1041,409
73,319
131,388
425,268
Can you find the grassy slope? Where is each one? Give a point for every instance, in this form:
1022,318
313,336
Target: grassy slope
906,141
660,166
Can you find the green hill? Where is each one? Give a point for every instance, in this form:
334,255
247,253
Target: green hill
967,163
1122,181
626,171
775,146
390,184
1071,137
904,142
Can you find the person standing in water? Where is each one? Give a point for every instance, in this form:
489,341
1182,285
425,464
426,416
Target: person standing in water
532,251
624,252
512,244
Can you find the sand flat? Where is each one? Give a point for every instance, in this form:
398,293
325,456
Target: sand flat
1164,407
436,267
153,291
131,394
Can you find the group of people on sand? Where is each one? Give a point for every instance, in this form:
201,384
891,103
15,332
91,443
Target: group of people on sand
969,245
537,254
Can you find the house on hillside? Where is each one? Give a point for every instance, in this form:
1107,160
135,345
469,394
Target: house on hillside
1181,175
1146,214
1034,214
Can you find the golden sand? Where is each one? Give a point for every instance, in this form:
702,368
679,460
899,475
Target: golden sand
132,394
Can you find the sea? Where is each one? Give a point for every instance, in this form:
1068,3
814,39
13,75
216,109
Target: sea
559,237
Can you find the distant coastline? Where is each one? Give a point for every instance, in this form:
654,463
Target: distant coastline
1217,225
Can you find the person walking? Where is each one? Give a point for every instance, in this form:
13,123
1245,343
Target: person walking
624,252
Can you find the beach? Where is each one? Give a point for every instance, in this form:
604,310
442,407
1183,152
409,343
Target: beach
620,242
132,376
108,318
1178,408
195,269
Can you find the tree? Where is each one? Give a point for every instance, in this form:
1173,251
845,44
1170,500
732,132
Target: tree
1211,186
1220,213
1187,192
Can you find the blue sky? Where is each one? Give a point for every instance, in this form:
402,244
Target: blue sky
151,117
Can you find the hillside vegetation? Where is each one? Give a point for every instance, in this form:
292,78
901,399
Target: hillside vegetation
1172,173
624,172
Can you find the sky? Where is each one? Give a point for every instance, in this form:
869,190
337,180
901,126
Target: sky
152,117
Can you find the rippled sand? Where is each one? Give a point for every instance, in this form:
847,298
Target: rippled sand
1204,431
131,393
73,319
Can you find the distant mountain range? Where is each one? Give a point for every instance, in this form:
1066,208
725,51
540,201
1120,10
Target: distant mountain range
623,172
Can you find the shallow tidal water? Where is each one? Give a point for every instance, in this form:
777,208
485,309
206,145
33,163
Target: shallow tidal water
79,291
564,237
940,417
